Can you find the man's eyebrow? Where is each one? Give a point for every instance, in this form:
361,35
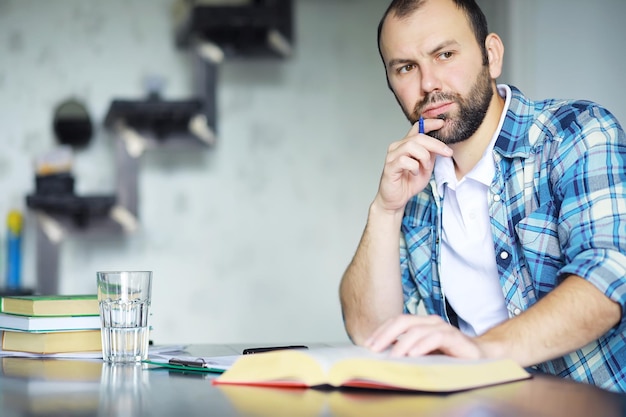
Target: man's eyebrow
443,45
404,61
399,61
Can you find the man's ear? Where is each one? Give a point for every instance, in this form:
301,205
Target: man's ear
495,54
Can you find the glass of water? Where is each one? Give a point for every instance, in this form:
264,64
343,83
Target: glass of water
124,299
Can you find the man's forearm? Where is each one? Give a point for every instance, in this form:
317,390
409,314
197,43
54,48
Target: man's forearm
371,290
566,319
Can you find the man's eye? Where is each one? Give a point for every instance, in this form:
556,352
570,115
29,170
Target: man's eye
405,68
445,55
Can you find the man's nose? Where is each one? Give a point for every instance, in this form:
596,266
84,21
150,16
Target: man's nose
430,80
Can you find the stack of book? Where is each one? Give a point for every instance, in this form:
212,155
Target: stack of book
50,324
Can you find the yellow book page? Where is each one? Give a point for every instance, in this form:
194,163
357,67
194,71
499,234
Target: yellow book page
309,367
428,373
51,305
286,366
88,340
356,366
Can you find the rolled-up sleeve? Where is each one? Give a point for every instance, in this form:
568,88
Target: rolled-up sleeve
591,185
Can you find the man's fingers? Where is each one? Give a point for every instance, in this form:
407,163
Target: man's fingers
409,164
410,152
385,335
436,146
432,124
408,335
414,130
429,125
443,339
394,331
430,144
424,338
417,343
422,149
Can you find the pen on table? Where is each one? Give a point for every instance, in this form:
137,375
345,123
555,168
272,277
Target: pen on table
421,125
250,351
198,363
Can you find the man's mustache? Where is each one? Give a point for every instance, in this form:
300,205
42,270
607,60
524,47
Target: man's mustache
433,98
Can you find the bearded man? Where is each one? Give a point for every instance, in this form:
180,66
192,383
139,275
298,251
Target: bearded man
504,217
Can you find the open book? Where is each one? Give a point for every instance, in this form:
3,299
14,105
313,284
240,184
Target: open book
354,366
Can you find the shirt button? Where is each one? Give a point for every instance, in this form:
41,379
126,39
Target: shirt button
496,198
517,311
504,255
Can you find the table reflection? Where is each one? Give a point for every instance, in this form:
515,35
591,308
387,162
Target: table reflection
541,396
54,387
50,387
124,390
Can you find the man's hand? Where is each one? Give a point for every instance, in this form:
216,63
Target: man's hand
371,289
408,166
410,335
566,319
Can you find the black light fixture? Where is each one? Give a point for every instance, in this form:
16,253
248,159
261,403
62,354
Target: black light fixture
72,124
256,28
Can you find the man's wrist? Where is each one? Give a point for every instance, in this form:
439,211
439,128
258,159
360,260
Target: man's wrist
378,210
492,347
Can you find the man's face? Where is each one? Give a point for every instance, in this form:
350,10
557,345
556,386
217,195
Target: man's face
467,114
435,69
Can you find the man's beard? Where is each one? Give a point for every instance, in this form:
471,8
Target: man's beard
462,124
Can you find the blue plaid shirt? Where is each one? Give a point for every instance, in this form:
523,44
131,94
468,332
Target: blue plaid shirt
558,206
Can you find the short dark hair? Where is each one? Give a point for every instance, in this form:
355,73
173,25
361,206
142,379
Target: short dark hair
476,17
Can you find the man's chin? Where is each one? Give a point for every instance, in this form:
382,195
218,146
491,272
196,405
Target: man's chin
445,135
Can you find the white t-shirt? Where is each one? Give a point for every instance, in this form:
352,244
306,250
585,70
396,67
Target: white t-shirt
469,274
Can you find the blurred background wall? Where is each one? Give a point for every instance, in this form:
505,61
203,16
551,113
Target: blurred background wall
248,239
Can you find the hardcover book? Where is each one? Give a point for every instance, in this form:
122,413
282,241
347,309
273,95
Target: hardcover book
51,305
357,367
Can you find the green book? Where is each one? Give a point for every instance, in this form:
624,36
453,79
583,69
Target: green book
51,305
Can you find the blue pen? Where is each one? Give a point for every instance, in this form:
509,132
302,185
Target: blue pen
421,122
